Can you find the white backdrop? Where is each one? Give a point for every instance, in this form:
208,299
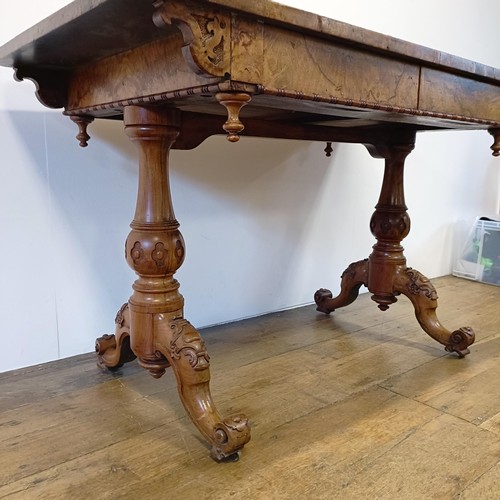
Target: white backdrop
259,217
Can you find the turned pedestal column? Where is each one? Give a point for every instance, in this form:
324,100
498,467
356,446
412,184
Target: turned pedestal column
152,326
385,272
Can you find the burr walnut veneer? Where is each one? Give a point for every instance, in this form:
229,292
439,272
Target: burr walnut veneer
177,72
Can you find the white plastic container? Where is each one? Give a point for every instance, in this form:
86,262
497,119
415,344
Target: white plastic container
479,255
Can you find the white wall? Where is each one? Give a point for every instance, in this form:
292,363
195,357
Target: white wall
266,222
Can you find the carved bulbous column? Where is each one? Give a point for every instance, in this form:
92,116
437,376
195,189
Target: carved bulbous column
152,326
390,224
154,248
385,272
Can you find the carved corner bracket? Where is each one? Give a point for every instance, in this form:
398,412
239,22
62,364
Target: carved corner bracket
206,33
50,85
495,132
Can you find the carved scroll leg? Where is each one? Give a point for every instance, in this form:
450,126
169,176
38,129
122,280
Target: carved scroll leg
185,350
114,350
351,280
155,251
423,296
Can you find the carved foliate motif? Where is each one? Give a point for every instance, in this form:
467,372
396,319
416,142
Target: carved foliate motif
230,434
179,251
353,268
105,342
390,225
137,253
115,350
122,315
206,35
186,341
159,254
212,39
419,284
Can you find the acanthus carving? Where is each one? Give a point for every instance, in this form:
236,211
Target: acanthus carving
114,350
206,35
419,284
233,430
214,50
353,269
186,341
352,278
122,316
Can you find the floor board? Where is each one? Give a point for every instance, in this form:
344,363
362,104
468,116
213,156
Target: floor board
358,404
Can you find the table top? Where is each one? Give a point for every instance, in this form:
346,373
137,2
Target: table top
94,57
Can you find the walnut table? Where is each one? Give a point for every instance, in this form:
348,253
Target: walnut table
178,72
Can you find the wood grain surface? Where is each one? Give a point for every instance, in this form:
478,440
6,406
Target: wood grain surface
354,405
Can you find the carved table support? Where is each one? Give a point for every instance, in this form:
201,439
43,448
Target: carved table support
159,335
114,350
385,273
423,296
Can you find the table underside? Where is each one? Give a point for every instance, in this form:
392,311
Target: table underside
297,76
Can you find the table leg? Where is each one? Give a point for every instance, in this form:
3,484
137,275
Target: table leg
385,272
152,327
352,279
113,351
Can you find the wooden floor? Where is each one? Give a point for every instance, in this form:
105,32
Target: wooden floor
357,405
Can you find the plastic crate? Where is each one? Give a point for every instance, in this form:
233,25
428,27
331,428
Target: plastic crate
479,256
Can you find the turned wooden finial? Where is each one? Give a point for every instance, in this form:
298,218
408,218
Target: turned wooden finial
495,132
233,102
328,149
82,121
